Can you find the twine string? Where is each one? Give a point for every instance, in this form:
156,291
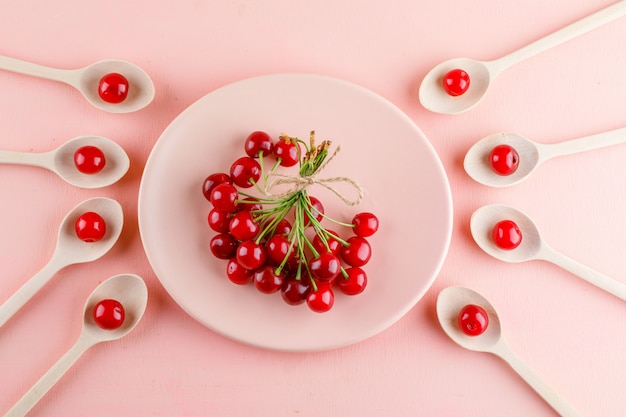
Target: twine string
300,183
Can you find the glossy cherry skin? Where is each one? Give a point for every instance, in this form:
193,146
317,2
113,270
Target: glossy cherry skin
322,300
213,181
354,284
257,142
357,253
473,320
251,255
317,211
278,248
109,314
333,244
365,224
456,82
325,267
243,226
504,160
249,204
237,273
223,246
287,152
294,291
113,88
219,221
224,197
245,171
90,227
283,227
268,280
506,235
89,159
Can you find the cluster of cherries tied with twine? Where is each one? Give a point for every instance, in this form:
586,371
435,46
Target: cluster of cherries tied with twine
276,238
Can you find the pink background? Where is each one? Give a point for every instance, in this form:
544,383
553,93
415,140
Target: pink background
570,332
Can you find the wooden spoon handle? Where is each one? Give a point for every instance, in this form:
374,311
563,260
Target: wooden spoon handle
29,289
587,143
35,70
41,387
573,30
539,385
590,275
43,160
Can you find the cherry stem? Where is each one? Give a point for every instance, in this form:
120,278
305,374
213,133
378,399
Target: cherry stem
303,209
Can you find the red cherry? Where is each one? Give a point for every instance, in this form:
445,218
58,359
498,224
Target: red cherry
223,246
295,291
325,267
243,226
224,197
456,82
283,227
287,151
316,209
473,320
89,159
333,244
322,300
267,280
258,142
90,227
251,255
355,283
245,171
237,273
219,220
278,248
504,160
213,181
357,253
113,88
506,235
249,204
109,314
365,224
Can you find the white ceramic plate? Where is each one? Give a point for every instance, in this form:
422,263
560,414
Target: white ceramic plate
403,180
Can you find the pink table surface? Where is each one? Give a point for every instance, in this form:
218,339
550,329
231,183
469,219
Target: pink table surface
571,333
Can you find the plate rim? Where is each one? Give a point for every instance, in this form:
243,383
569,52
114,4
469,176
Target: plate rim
383,324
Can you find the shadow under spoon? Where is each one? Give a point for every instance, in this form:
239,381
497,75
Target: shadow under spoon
128,289
70,250
532,246
481,73
61,161
451,301
86,80
531,154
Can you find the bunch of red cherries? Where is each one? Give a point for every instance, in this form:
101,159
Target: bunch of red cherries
280,242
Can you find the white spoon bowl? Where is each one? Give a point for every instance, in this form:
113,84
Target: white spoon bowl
70,250
532,246
531,154
131,291
451,301
478,166
61,161
86,80
434,98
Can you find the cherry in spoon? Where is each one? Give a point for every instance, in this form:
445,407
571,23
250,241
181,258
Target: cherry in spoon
127,289
432,93
451,301
61,161
87,81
